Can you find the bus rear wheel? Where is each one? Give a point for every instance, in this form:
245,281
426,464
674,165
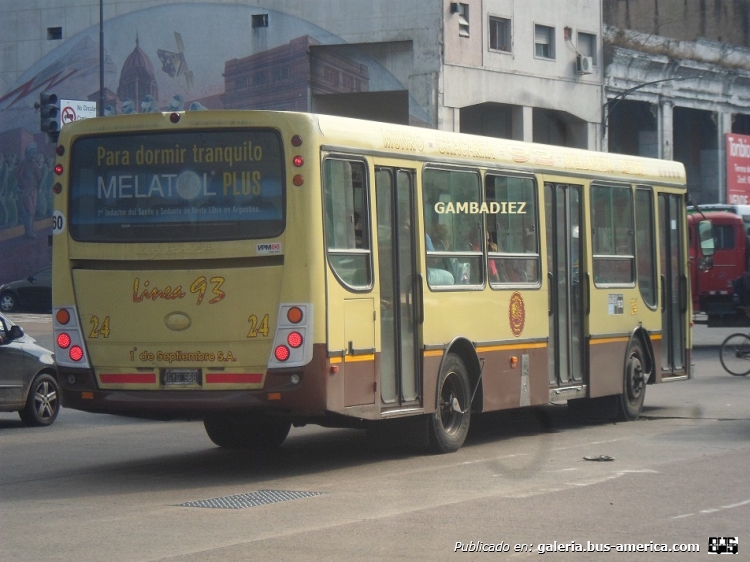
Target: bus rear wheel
241,431
634,384
449,425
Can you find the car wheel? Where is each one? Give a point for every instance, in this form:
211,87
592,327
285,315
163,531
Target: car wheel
7,302
43,403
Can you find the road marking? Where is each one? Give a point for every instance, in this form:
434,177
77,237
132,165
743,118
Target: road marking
712,510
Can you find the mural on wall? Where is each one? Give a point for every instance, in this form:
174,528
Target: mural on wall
171,58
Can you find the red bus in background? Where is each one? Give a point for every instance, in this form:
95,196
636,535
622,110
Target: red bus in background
711,282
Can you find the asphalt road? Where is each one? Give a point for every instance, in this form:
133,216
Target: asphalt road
103,487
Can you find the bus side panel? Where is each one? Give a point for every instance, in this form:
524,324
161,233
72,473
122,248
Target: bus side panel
506,386
606,366
430,371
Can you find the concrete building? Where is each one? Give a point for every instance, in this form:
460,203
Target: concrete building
507,68
677,83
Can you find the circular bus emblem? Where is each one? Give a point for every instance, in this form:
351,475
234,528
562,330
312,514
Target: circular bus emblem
516,313
177,321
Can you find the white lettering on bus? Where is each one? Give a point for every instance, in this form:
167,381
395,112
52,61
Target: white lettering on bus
130,187
474,208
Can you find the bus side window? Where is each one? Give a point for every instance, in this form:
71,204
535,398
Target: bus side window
612,226
453,235
513,245
347,228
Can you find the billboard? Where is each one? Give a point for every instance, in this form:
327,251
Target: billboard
738,169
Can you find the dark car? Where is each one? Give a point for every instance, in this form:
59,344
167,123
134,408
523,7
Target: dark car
28,377
32,293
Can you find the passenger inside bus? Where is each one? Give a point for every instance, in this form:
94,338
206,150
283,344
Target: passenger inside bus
437,274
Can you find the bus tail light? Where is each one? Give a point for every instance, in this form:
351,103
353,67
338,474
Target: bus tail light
292,342
281,353
68,338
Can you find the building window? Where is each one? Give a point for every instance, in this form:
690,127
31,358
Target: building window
587,45
544,41
242,83
54,33
259,20
500,34
331,76
259,79
280,74
463,20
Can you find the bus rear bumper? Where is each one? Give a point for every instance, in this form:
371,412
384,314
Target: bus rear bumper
155,404
279,396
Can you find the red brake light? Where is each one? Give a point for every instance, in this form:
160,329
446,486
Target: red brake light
294,339
63,341
76,353
281,352
298,180
59,169
296,140
297,161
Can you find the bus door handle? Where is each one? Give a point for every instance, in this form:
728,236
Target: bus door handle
587,292
550,295
420,298
683,293
663,293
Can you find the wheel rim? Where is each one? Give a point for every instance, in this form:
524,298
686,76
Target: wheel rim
6,303
45,400
452,403
636,379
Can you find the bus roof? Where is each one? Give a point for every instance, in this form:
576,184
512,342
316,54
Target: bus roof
343,133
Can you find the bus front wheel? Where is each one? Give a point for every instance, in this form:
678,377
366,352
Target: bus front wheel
634,384
239,431
449,425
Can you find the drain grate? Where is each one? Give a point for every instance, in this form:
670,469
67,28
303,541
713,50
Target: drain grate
241,501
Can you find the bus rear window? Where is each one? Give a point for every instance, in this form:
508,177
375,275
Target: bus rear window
177,187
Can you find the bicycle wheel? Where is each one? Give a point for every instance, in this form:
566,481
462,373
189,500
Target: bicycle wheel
735,355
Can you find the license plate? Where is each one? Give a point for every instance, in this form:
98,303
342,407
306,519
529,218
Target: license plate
181,377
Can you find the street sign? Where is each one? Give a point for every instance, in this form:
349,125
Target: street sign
73,110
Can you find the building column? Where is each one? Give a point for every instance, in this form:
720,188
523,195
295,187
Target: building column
666,130
723,126
523,123
593,137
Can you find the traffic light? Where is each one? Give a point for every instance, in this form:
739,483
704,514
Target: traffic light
49,114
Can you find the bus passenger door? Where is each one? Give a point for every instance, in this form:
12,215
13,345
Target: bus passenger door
673,284
400,286
563,209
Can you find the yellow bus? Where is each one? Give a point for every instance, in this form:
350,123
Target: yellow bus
261,269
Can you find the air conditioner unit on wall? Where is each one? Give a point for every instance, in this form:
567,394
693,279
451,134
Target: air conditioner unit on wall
584,65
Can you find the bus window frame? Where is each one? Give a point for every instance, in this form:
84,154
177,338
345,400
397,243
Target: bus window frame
367,207
653,246
514,285
73,228
449,254
612,257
